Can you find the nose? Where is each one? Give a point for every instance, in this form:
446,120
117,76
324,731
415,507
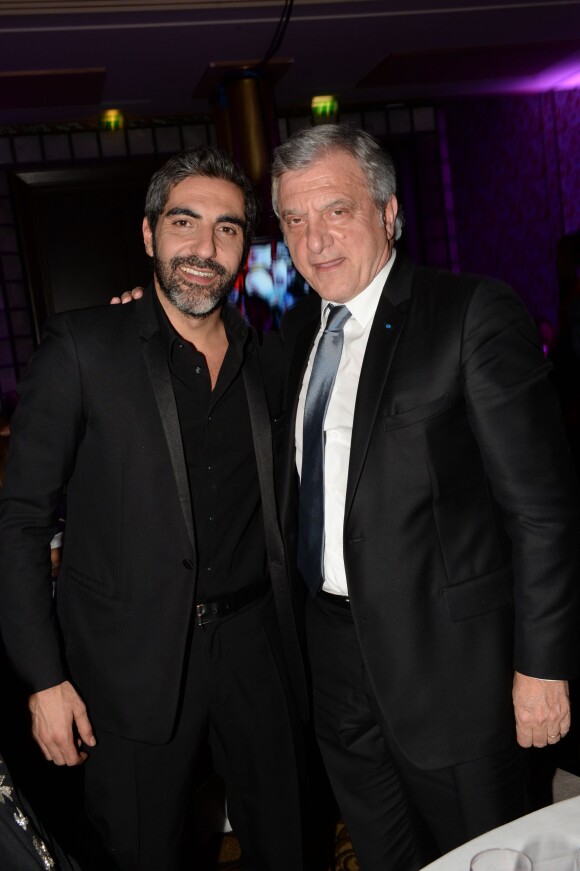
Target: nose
318,236
203,243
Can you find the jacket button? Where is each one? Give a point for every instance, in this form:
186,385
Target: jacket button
187,564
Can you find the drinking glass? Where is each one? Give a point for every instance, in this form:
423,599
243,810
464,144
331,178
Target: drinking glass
501,859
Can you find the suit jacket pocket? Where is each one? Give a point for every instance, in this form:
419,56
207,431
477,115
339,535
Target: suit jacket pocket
479,595
416,414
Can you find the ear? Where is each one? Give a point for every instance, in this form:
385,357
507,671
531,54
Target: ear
389,216
147,237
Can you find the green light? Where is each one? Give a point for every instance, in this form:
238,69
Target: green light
112,119
324,107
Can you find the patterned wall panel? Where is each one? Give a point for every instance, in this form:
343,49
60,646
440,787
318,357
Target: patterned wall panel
567,112
516,178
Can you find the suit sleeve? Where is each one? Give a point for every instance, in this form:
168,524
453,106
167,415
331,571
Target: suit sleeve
517,422
45,432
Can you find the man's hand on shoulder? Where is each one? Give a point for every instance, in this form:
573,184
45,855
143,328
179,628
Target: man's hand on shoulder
542,710
60,724
128,296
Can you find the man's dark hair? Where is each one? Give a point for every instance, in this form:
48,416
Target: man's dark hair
208,161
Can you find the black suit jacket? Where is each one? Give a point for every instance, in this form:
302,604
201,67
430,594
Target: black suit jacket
97,412
461,523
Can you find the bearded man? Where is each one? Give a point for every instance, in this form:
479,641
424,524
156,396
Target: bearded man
173,619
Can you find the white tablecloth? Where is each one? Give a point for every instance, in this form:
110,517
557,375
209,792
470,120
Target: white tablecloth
550,837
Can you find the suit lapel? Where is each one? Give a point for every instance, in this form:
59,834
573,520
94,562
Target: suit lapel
385,332
298,363
297,367
262,438
155,355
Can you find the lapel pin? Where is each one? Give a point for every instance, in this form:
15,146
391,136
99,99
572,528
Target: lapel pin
388,326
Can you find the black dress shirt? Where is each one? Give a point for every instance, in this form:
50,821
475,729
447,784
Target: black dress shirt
219,453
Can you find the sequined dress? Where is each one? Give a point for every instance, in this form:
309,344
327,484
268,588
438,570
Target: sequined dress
24,843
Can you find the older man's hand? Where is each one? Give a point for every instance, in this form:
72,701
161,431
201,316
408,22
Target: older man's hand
128,296
542,710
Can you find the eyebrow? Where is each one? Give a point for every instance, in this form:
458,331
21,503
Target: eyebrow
287,212
331,204
221,219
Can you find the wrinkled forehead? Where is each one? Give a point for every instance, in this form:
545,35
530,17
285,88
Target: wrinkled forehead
336,174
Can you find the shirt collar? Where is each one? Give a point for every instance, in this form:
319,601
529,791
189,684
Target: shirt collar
364,305
235,325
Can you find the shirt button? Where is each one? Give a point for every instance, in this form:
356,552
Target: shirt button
210,518
209,468
208,569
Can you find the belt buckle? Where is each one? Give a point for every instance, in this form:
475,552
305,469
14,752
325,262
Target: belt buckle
203,615
209,612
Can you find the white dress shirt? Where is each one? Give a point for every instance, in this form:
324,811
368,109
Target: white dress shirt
338,422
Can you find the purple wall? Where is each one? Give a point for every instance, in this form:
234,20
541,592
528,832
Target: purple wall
567,111
515,163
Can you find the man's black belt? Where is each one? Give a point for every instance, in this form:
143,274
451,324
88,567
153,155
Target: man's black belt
223,606
341,601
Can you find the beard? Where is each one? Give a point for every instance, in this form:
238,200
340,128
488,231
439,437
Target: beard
194,300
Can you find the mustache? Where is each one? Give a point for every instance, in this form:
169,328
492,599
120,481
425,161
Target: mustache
197,263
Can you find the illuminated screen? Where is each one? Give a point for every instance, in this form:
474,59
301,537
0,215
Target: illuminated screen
268,285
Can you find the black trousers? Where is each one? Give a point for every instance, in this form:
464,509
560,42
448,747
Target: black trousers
399,817
138,796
